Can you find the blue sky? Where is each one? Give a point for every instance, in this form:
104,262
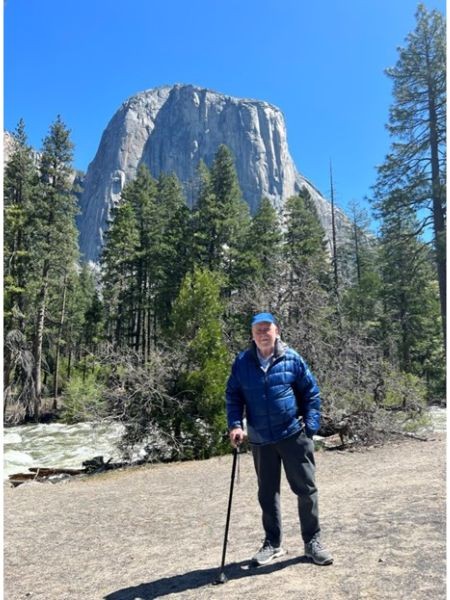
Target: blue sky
322,63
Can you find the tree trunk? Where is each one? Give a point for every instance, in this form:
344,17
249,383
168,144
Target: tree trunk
333,230
438,209
357,256
37,345
69,363
6,379
145,318
58,344
21,280
137,345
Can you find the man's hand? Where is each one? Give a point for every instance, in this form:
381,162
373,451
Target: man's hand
237,436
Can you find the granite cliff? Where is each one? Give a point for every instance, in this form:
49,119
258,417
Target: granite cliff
170,128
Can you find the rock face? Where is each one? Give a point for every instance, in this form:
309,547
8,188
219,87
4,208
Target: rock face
9,147
171,128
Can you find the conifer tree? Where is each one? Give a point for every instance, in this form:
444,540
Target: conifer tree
20,178
307,305
221,219
197,327
53,240
145,258
141,194
174,253
362,290
93,323
205,217
305,239
83,328
19,184
235,215
260,272
117,262
416,163
408,324
264,243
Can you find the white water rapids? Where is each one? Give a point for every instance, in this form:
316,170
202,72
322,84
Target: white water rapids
58,445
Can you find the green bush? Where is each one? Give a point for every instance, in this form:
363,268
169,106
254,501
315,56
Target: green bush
83,399
205,366
403,390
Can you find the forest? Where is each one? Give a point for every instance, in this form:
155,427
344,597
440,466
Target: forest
148,335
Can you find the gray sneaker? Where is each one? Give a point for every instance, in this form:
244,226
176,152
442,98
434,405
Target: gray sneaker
317,552
266,553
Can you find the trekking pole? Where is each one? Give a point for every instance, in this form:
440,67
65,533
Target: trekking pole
222,577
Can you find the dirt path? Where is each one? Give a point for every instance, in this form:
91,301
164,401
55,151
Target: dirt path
157,532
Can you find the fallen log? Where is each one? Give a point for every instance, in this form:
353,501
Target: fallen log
90,467
18,478
41,474
48,472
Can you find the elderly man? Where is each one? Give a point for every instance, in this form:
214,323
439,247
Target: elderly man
274,386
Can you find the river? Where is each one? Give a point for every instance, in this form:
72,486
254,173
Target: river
59,445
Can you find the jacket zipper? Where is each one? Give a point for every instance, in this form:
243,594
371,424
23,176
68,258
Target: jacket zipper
266,389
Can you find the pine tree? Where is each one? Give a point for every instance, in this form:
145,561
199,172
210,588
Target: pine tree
20,181
407,295
416,163
305,239
260,273
221,219
197,328
235,215
175,255
205,218
141,194
145,259
83,327
264,243
93,323
117,265
53,239
307,304
362,281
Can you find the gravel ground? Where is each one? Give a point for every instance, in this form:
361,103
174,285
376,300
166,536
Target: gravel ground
157,531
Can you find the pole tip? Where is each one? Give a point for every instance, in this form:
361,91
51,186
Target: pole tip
222,578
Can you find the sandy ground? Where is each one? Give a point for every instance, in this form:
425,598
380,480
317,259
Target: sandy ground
157,532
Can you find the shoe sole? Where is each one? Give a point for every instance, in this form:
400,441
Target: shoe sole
276,554
329,561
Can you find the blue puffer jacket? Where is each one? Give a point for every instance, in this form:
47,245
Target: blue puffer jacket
274,400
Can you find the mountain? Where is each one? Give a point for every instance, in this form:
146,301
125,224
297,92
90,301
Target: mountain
170,128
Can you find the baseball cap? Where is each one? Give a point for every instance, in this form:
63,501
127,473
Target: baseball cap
264,317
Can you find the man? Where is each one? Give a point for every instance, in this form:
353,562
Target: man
274,386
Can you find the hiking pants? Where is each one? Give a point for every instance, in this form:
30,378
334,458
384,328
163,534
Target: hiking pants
297,455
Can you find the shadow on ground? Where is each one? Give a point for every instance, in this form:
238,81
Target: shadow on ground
197,579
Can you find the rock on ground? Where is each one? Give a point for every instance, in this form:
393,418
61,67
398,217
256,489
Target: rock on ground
157,532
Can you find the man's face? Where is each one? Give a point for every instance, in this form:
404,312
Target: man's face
265,335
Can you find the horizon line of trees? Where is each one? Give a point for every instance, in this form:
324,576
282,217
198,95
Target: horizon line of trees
148,336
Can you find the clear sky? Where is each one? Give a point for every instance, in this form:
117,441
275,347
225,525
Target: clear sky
322,63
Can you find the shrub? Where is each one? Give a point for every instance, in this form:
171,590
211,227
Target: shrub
83,399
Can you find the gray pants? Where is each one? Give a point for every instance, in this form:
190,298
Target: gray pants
297,455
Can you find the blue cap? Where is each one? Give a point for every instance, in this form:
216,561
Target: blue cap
264,318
